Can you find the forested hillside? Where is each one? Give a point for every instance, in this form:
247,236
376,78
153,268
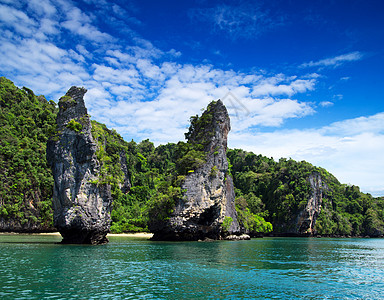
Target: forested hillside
146,180
280,191
149,174
26,121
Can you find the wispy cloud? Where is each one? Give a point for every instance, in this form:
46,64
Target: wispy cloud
372,124
326,103
282,85
42,8
79,23
241,19
334,61
17,20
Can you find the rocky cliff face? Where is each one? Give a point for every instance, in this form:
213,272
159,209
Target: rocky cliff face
306,220
207,208
81,203
11,225
125,186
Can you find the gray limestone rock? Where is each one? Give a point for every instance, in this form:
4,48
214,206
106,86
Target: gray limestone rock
306,220
125,186
208,200
81,204
242,237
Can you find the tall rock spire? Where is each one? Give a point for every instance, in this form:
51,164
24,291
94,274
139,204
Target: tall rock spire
81,203
207,208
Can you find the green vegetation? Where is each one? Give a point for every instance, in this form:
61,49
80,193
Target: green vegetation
193,154
155,174
251,213
152,183
26,181
347,211
146,180
213,172
75,126
201,130
227,222
66,102
189,157
278,191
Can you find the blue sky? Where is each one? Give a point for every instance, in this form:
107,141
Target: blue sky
301,79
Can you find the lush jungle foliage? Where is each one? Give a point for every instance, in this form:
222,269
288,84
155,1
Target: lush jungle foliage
278,191
146,180
153,186
26,181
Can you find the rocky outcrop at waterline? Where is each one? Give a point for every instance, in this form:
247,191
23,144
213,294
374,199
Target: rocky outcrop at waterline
207,206
81,203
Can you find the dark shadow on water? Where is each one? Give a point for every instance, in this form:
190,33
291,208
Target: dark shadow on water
19,242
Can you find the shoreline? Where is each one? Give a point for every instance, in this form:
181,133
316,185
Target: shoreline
150,235
136,234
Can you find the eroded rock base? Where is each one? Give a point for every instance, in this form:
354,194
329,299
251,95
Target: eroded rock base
76,236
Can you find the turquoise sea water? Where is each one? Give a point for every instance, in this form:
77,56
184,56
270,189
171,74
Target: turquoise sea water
35,267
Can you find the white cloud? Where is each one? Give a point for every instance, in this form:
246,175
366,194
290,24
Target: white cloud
174,53
272,87
82,50
373,124
16,19
350,149
48,26
128,76
335,61
338,97
42,7
40,64
121,56
326,103
144,49
79,23
268,112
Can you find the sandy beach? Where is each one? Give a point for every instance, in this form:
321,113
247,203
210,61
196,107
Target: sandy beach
138,234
